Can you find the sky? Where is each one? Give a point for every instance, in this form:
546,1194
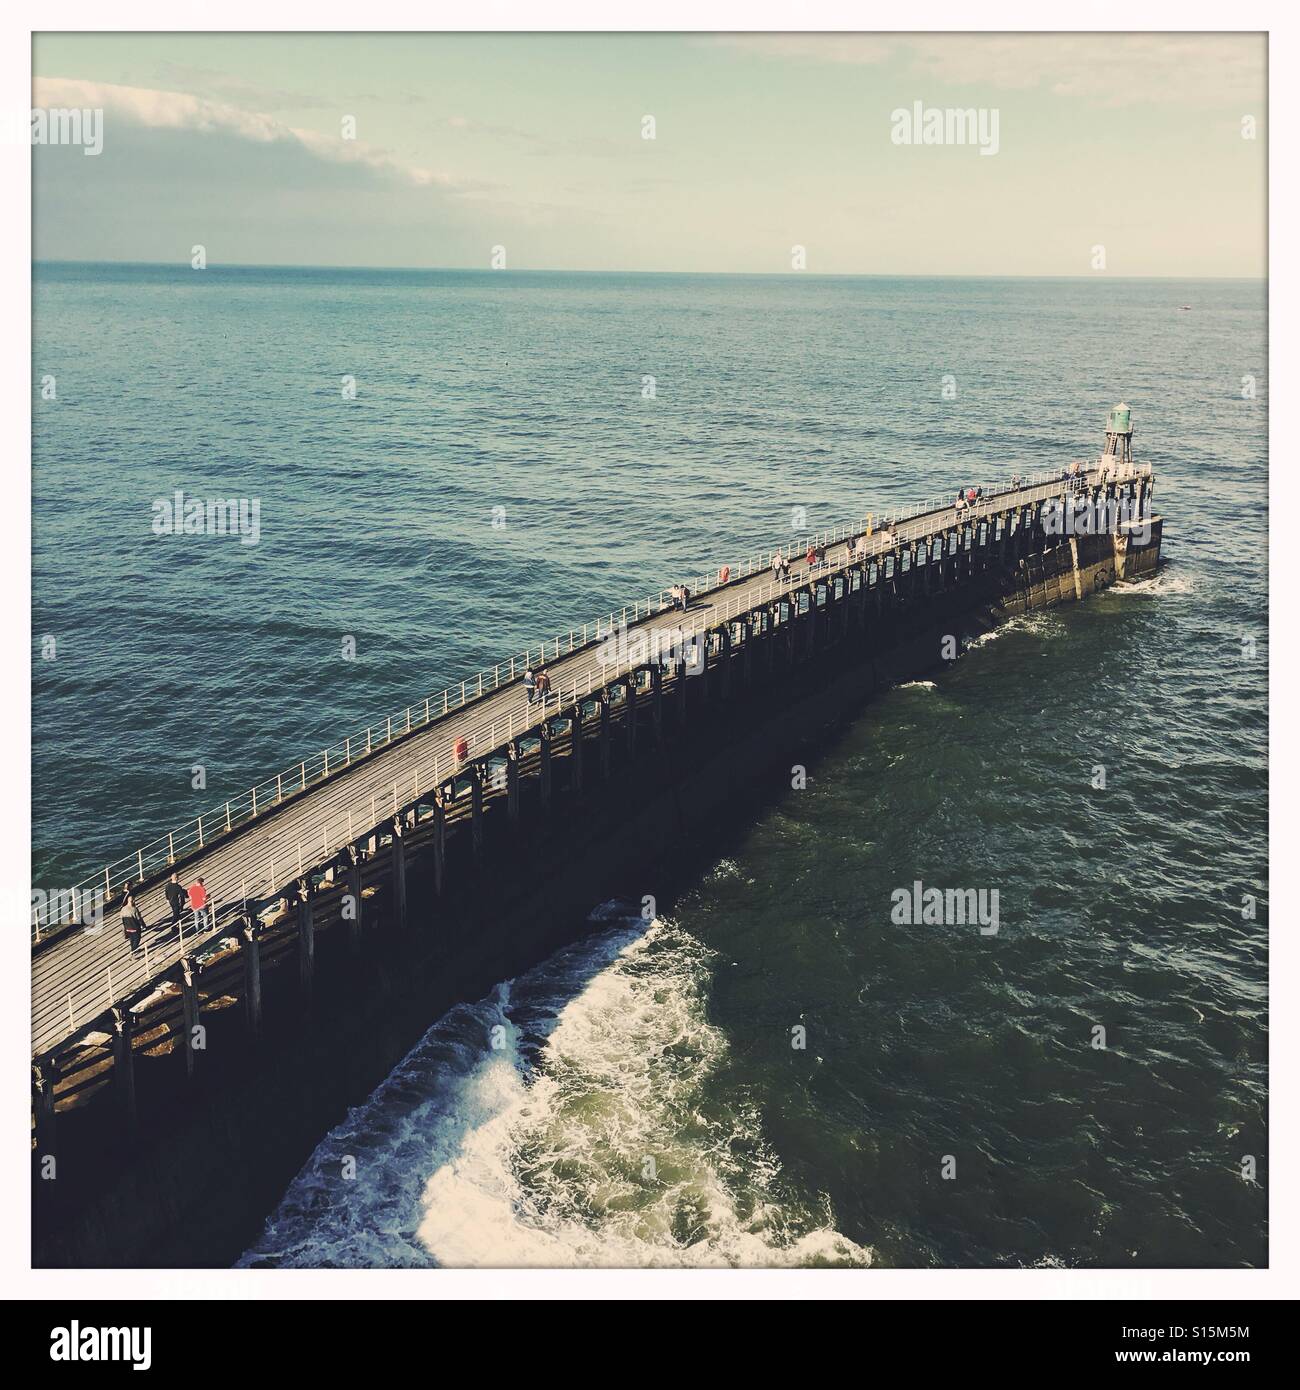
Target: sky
535,143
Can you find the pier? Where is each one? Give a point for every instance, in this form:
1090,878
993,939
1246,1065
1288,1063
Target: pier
376,832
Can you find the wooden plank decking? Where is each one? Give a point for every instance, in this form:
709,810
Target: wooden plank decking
94,969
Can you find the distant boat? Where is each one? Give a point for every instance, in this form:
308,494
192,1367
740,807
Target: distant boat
1184,306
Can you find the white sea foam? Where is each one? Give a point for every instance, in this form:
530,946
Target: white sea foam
918,685
581,1132
726,869
1041,622
1164,583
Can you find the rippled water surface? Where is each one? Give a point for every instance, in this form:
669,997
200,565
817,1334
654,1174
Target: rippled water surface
637,1099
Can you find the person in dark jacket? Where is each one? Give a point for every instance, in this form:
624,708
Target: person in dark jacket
177,898
132,920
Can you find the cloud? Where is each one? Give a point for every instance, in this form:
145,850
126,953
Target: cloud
467,125
179,170
531,143
222,86
817,48
150,109
1102,69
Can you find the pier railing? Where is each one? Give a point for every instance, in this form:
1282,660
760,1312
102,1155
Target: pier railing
158,855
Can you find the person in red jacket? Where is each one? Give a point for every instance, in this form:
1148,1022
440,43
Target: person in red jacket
198,896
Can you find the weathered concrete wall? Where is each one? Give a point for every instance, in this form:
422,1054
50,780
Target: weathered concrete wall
211,1158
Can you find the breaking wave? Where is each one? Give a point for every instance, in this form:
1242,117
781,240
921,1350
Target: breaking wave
565,1120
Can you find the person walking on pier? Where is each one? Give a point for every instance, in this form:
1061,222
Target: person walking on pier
176,898
198,895
132,920
778,564
543,684
530,684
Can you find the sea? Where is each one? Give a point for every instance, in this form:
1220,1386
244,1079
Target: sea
449,466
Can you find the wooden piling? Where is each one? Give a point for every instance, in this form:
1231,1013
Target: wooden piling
252,953
190,1013
124,1062
606,695
440,836
544,762
576,748
44,1074
306,940
399,871
477,772
354,890
512,781
632,697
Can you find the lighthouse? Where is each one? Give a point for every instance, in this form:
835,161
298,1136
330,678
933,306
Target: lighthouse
1119,434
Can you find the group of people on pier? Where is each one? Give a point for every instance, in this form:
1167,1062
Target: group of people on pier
967,498
815,557
180,899
537,684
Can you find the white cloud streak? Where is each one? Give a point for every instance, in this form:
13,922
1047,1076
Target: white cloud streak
1102,69
181,111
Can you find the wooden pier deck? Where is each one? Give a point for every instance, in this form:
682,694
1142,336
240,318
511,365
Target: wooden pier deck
77,974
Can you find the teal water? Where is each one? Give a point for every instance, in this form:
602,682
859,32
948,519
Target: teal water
648,1106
